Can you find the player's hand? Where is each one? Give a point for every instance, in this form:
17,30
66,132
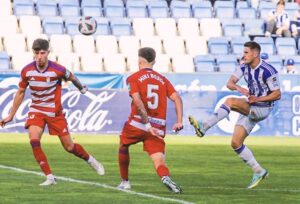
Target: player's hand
253,99
5,120
154,131
84,89
177,127
279,31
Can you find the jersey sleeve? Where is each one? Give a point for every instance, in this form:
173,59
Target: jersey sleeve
132,86
238,72
170,87
273,82
67,74
23,80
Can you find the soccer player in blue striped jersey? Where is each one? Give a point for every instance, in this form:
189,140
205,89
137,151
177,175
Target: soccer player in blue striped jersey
263,90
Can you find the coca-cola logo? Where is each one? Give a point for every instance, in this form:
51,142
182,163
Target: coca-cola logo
84,113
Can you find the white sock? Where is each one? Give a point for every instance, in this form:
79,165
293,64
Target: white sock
90,158
50,177
220,114
246,155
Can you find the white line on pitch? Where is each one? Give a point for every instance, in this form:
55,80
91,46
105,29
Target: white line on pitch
96,184
256,189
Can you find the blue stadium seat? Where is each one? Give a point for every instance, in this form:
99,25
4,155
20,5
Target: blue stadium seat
275,61
266,44
120,26
242,4
91,8
232,27
237,44
247,13
264,8
114,8
291,8
53,25
204,63
69,8
23,7
158,9
226,63
4,61
103,27
71,25
254,26
136,9
180,9
202,9
218,45
46,8
286,46
224,9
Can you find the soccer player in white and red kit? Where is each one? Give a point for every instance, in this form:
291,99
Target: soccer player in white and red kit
44,78
149,91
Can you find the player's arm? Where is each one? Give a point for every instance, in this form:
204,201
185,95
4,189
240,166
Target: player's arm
75,81
273,96
137,101
232,85
273,84
16,104
179,111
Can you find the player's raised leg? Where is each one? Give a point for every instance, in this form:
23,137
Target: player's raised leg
80,152
246,155
35,134
163,172
237,104
202,126
124,160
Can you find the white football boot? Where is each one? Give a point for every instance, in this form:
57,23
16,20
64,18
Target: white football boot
124,185
49,181
96,165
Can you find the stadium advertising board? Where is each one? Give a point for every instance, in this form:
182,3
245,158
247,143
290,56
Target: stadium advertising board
105,111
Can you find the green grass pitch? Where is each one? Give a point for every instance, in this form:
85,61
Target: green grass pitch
206,168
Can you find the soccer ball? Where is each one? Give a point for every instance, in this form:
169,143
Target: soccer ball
87,25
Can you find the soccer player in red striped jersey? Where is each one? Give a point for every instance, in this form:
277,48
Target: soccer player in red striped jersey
44,78
149,91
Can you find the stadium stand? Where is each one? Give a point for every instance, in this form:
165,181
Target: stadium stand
23,7
4,61
91,8
173,28
106,44
158,9
204,63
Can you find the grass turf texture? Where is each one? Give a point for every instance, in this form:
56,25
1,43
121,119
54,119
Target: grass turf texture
206,168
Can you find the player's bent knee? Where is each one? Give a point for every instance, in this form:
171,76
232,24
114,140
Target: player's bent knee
235,144
69,148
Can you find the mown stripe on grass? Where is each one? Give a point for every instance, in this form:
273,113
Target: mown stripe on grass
95,184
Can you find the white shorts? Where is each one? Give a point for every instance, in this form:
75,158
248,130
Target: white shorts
256,114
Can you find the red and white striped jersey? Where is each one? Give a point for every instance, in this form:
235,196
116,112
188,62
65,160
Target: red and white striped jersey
45,87
154,90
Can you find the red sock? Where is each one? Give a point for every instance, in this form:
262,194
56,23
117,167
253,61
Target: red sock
79,151
40,157
124,162
162,170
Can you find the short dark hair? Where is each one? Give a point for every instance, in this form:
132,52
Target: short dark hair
40,44
281,2
147,53
253,46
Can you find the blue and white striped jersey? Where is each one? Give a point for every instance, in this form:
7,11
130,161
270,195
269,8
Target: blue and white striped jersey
261,80
281,19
